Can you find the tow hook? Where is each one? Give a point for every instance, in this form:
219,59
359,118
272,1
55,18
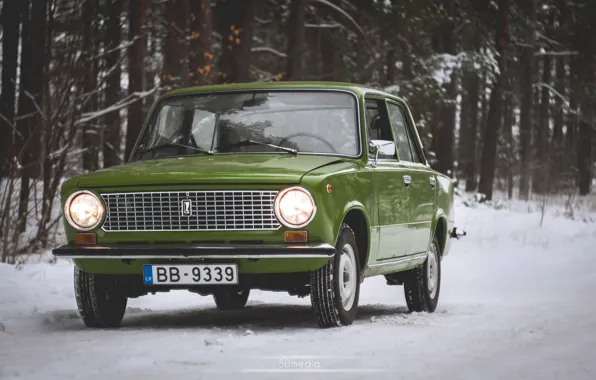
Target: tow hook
457,233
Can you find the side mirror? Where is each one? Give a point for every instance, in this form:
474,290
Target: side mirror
384,147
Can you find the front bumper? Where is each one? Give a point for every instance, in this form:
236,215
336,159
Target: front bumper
251,252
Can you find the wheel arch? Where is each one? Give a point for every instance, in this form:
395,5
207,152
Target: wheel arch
356,217
440,229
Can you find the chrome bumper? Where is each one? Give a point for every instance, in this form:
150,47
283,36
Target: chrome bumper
256,252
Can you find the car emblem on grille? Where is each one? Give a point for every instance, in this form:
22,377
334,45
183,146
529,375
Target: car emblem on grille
186,207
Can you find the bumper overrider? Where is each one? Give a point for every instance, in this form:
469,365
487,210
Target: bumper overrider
251,252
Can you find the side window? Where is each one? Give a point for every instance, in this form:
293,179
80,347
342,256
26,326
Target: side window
377,123
398,124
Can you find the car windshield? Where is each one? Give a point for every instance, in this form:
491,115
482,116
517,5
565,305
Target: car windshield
282,122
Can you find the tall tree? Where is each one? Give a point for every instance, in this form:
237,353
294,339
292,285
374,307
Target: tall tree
587,75
557,143
136,72
236,25
111,139
200,57
542,161
296,40
90,139
24,110
10,41
175,46
473,97
528,11
446,124
489,153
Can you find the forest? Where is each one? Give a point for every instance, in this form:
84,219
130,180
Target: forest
503,91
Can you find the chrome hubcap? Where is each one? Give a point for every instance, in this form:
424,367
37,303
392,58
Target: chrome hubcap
347,277
432,271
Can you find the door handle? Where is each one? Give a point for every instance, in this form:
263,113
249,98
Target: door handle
407,180
432,181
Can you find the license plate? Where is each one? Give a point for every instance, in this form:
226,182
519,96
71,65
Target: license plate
199,274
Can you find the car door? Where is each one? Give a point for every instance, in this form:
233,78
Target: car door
390,181
422,188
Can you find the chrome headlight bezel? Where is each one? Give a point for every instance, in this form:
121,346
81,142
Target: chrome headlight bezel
278,212
68,217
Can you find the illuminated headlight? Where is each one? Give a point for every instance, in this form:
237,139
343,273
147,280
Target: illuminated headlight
83,210
295,207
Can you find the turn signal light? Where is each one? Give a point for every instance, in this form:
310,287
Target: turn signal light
87,238
296,236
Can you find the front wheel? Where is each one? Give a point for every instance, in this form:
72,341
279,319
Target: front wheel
231,300
100,299
423,284
335,288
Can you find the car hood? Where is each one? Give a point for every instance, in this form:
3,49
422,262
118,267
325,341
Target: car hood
217,169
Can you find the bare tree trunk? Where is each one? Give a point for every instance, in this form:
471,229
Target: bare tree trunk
542,162
38,57
556,142
330,70
464,125
527,100
473,120
446,122
587,123
152,68
296,41
175,48
136,72
489,153
10,42
237,32
200,60
584,151
25,110
573,121
111,146
49,193
509,141
90,140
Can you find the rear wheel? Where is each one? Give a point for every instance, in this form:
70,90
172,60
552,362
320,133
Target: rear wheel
335,288
423,284
231,300
100,300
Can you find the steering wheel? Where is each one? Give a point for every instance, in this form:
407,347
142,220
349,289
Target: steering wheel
311,135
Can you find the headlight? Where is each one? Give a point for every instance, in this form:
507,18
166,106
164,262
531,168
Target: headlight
83,210
295,207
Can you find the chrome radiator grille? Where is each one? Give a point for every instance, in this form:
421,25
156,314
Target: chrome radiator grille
190,211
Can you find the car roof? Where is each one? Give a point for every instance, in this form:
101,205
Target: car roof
357,89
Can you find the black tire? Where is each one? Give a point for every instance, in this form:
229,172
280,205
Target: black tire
325,294
416,285
231,300
100,300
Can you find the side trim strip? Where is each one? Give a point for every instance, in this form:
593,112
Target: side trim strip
401,260
405,224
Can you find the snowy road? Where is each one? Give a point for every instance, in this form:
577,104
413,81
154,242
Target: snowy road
517,301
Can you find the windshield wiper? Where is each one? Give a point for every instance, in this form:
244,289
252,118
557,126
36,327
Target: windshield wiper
170,144
253,142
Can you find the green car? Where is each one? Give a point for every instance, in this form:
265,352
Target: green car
305,187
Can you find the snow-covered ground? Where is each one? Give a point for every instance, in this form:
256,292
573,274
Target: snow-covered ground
517,301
